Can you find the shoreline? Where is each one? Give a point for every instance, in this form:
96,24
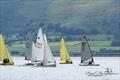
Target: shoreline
77,55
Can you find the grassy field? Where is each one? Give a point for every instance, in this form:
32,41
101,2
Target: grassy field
17,47
73,47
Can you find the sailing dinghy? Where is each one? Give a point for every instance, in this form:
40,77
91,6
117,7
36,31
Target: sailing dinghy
5,58
48,60
86,54
64,55
41,54
38,50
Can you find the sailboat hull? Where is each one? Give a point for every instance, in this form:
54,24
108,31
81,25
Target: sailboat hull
7,64
88,64
65,62
52,65
39,65
29,64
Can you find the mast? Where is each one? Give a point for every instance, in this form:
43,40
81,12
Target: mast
90,50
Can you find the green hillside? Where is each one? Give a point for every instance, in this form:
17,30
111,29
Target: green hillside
56,17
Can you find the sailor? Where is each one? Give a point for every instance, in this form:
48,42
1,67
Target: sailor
91,62
5,60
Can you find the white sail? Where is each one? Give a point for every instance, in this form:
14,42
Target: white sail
28,46
86,54
48,56
38,48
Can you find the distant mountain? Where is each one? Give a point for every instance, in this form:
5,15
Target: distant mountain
17,16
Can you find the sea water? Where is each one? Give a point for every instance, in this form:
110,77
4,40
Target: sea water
61,71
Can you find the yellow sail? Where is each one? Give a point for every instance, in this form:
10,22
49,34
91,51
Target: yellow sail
2,48
4,54
64,55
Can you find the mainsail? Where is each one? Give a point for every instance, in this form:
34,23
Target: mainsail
64,55
38,48
4,54
28,46
48,56
86,54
